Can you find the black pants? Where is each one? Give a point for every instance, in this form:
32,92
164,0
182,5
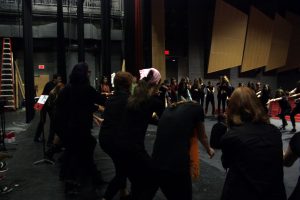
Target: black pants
294,112
176,185
202,100
141,175
119,180
223,101
282,115
210,99
78,163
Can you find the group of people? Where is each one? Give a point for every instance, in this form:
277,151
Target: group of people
285,107
198,91
252,147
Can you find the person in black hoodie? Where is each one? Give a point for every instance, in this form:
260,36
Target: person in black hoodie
291,154
251,151
74,120
114,108
138,114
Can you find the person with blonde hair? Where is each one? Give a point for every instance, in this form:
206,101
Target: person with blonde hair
251,151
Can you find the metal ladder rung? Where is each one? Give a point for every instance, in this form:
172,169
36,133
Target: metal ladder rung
6,85
6,74
7,90
5,79
6,53
5,48
6,58
10,106
6,63
7,95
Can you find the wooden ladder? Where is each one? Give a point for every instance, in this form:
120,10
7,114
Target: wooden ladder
7,80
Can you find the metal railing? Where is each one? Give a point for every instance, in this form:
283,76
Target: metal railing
90,6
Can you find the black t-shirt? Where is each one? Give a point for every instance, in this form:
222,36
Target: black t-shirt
284,104
209,90
295,144
134,123
114,109
174,132
48,87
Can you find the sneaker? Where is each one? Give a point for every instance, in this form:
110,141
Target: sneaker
293,130
3,167
5,189
282,128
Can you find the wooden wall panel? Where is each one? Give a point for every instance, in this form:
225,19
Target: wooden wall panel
258,41
280,43
158,37
40,81
293,59
228,37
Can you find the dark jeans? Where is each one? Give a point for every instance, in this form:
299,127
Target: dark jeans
294,112
119,180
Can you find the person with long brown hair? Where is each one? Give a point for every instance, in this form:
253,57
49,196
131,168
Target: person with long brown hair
252,151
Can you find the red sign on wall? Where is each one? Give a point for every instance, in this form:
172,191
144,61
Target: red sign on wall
41,66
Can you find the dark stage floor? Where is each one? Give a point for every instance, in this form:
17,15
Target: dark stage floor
41,182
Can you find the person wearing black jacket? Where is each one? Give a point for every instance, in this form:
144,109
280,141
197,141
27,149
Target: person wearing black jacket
251,151
114,108
74,120
138,114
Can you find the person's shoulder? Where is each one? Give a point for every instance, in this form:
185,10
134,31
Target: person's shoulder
193,104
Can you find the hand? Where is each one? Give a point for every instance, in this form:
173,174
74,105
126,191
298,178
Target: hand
211,152
101,108
97,120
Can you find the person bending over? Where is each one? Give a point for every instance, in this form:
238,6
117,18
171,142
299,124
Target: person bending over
171,151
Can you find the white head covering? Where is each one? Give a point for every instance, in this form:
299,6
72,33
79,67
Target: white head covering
155,77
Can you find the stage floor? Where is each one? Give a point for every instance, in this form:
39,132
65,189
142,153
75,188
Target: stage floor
41,182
